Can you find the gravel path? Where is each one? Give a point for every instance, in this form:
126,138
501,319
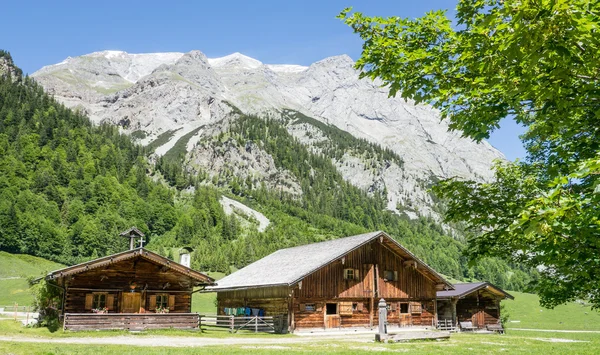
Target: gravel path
179,341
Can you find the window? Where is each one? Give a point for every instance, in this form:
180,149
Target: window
99,301
351,274
310,307
331,308
403,307
390,275
162,301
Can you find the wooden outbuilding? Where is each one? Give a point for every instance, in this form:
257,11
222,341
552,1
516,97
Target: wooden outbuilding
337,283
135,289
477,304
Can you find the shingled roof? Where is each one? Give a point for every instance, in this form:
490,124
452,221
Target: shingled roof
464,289
286,267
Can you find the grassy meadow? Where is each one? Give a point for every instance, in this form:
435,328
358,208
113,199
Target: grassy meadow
525,312
14,271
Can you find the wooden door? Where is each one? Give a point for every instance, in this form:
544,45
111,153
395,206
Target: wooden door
478,318
131,302
332,321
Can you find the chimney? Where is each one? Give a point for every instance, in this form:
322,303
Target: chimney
185,254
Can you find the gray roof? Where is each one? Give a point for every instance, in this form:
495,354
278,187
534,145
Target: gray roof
461,290
286,267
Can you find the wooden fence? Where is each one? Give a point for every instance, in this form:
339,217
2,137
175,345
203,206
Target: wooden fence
276,324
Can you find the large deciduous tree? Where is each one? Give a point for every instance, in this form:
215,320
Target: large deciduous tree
537,62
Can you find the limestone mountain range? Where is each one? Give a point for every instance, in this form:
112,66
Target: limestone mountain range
169,97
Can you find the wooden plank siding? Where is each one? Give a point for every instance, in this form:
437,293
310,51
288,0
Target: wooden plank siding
86,321
480,309
115,279
274,300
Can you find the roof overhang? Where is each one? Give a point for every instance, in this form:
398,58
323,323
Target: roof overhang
485,286
200,278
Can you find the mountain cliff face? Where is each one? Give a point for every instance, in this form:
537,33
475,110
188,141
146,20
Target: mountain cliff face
188,103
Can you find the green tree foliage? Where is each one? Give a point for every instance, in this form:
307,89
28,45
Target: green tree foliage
67,188
535,62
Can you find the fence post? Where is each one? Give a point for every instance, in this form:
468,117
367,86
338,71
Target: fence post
16,310
27,316
256,324
232,322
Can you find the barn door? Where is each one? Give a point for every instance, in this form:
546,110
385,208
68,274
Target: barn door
132,302
478,318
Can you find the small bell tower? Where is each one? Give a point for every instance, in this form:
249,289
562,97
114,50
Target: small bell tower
133,233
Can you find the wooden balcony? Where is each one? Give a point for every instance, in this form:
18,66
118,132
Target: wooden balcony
131,321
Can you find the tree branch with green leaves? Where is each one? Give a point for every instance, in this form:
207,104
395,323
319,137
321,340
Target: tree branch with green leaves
537,63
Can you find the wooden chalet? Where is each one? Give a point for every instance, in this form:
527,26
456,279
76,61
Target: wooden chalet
337,283
134,289
476,304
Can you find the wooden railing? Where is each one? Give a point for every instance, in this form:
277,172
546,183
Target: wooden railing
446,324
275,324
131,321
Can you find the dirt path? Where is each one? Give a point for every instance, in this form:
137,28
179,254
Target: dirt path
181,341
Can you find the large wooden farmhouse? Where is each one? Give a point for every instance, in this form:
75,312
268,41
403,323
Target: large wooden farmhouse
475,303
135,289
337,283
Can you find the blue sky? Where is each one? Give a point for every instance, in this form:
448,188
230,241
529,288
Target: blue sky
39,33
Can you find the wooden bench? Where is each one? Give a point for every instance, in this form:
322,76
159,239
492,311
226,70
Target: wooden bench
467,326
495,328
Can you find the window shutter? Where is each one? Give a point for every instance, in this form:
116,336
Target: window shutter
395,275
345,308
110,302
319,307
89,300
360,306
171,302
302,307
393,306
356,274
152,306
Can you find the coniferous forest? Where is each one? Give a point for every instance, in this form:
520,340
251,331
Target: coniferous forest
68,187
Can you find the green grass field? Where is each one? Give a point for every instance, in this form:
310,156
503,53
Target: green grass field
525,312
14,270
514,343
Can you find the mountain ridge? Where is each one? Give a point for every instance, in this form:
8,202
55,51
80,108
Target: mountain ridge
185,91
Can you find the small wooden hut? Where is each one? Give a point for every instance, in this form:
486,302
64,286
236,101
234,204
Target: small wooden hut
475,303
135,289
336,283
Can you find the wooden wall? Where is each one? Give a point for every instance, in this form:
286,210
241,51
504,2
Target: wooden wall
371,259
274,300
478,309
114,280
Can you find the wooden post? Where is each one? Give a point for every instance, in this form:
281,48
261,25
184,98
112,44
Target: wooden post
256,324
16,309
454,301
27,316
